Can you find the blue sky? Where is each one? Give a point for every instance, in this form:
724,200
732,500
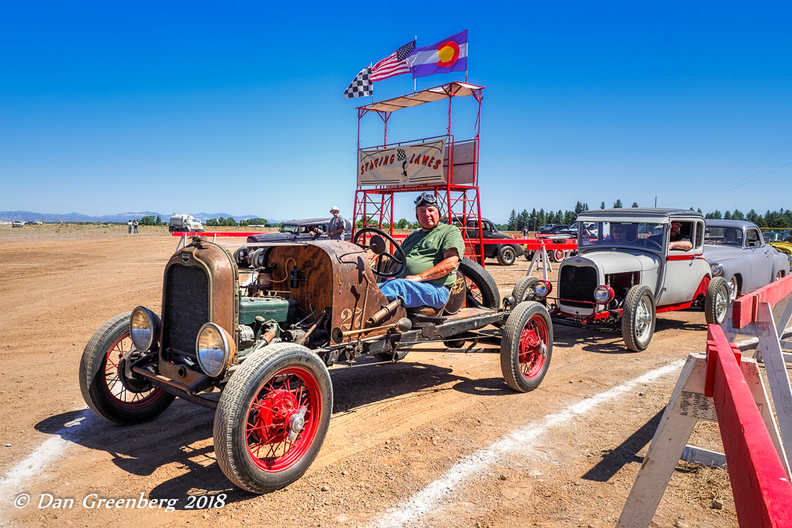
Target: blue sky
235,107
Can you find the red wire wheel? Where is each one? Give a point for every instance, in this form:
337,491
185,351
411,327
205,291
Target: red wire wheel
526,346
272,417
533,347
106,390
283,419
116,388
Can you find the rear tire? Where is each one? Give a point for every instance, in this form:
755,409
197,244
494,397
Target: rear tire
638,318
273,417
506,256
526,347
716,302
481,288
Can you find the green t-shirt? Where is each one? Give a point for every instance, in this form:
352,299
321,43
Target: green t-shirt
424,250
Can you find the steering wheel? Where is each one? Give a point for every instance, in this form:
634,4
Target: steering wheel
377,246
647,243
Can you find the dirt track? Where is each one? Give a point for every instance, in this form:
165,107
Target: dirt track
396,428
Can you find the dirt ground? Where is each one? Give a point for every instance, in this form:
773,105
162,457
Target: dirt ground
398,437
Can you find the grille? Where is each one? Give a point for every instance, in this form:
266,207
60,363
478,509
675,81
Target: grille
577,284
188,307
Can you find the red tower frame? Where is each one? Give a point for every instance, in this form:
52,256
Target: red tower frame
458,200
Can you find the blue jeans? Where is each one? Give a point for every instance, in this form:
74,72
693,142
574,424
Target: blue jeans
415,294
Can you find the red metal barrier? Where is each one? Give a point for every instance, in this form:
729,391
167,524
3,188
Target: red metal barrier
746,308
762,492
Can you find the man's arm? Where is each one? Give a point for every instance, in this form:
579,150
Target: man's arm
682,245
439,270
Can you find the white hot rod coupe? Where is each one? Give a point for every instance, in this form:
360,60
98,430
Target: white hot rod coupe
641,262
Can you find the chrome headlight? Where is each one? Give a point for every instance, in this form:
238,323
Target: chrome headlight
603,294
213,347
543,288
716,270
143,328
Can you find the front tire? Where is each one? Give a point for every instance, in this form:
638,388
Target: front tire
638,318
716,301
273,417
526,347
105,387
524,289
506,256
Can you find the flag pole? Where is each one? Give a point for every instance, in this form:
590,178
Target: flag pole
414,84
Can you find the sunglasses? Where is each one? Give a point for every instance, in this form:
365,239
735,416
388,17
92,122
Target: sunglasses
425,198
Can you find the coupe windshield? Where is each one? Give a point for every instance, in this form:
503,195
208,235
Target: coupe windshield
287,228
630,234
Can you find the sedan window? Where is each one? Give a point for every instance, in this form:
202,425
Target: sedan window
753,238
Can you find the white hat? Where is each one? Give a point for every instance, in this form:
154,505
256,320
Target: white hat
334,208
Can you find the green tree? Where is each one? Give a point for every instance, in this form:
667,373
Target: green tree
403,223
159,220
737,215
579,208
222,222
212,222
512,221
257,221
602,205
727,215
635,204
541,218
231,222
523,219
618,204
243,223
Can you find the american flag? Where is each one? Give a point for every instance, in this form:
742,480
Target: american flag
393,64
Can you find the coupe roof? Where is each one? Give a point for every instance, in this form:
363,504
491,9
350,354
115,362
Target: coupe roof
637,214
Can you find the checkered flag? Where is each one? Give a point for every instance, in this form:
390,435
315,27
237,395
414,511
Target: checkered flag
401,155
361,86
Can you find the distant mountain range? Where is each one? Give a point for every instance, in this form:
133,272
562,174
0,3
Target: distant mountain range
27,216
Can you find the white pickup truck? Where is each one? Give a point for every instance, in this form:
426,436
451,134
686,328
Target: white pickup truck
184,222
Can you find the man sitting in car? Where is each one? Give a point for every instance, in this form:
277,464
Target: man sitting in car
433,253
678,240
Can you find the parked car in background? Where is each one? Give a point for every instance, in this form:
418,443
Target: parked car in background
184,223
627,273
556,233
736,251
506,253
17,223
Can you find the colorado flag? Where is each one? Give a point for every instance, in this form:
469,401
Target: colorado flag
448,55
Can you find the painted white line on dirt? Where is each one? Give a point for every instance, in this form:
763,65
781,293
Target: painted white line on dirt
429,499
52,449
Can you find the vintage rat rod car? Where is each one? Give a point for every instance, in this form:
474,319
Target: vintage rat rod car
253,338
629,272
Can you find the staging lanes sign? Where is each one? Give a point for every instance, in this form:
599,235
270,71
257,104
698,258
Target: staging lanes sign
403,165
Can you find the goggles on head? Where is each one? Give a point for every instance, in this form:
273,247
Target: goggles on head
425,198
